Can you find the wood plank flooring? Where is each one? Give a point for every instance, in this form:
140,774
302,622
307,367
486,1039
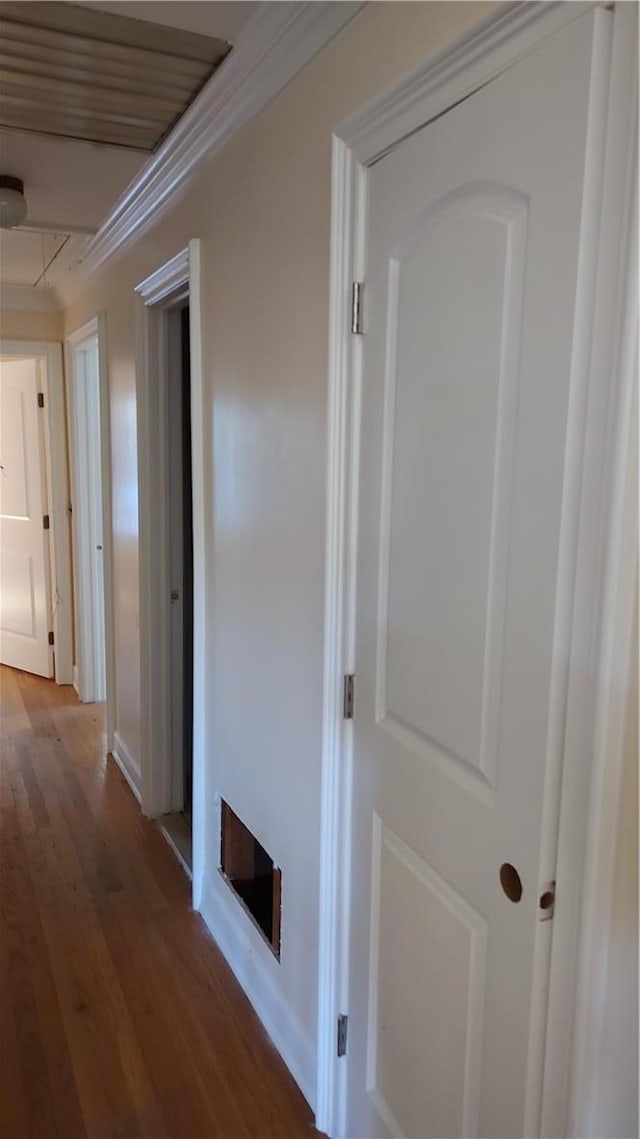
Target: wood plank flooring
119,1018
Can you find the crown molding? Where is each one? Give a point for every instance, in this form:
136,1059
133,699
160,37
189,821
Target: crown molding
165,280
276,44
496,42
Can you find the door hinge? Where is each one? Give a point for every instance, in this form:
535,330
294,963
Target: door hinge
40,399
343,1023
45,522
50,638
348,696
357,293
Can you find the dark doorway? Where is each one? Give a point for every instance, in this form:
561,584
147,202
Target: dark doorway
187,563
177,824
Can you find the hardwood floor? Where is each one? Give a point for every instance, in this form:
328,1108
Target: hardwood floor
118,1015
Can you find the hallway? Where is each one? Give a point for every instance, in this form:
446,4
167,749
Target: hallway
118,1015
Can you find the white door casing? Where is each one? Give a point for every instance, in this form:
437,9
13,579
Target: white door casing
25,590
93,569
409,731
52,427
177,279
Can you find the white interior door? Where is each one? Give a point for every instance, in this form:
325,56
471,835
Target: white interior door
88,523
468,452
24,565
96,538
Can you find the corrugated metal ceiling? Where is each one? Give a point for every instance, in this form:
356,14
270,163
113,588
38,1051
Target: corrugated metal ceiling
81,73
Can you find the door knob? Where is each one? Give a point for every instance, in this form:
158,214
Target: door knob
510,882
175,594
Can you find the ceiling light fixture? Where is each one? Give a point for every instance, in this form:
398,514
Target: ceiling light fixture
13,204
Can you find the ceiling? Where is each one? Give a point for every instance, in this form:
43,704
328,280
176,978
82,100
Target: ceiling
71,185
26,258
222,18
82,73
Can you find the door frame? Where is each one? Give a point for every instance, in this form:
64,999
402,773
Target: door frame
84,679
172,282
607,318
60,600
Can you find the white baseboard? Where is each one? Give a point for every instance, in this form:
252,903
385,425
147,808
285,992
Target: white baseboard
76,680
128,767
243,949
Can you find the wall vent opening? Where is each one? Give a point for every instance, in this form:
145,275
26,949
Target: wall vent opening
250,872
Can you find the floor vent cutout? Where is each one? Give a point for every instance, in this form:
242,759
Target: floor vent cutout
250,872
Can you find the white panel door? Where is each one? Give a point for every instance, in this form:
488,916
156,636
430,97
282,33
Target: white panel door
473,242
24,588
88,527
96,538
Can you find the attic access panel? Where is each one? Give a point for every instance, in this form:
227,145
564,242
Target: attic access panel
250,872
80,73
26,256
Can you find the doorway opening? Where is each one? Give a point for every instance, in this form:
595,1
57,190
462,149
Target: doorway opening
171,422
178,822
89,511
26,641
35,565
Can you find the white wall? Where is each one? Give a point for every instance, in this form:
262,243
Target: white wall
17,324
262,210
